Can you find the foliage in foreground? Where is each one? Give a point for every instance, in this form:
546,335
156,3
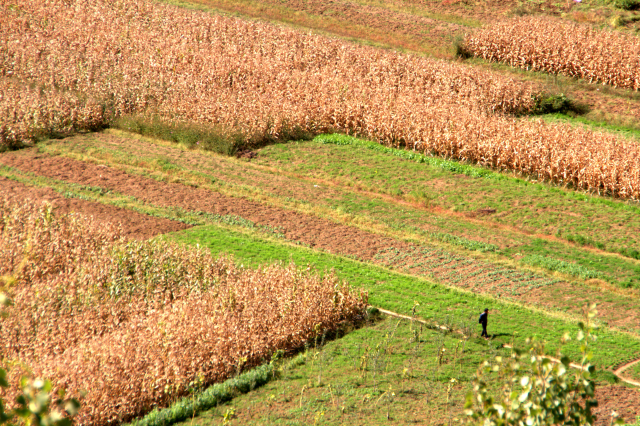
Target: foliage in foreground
34,400
537,390
139,324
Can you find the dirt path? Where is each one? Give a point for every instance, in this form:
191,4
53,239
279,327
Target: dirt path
624,401
619,372
448,268
134,225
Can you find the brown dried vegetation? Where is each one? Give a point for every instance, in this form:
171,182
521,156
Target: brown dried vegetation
144,56
29,113
135,324
264,81
561,47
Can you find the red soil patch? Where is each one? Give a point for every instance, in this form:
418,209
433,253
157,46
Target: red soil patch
625,401
316,232
134,225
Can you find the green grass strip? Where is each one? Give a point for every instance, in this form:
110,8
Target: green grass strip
464,242
621,130
449,165
561,266
470,170
214,395
399,292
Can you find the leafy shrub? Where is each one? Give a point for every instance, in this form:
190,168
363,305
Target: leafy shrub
535,388
549,104
33,403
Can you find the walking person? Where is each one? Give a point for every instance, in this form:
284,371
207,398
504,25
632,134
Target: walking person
483,320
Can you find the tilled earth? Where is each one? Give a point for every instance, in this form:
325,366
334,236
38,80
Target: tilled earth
472,274
307,229
134,225
622,400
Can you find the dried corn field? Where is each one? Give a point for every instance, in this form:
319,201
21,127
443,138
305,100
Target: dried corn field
136,324
560,47
143,57
129,57
29,113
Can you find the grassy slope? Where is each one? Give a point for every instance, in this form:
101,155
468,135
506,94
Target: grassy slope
345,379
398,292
379,371
360,185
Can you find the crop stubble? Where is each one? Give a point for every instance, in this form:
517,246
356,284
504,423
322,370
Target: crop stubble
132,224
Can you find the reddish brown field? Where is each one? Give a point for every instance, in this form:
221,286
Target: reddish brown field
133,224
322,234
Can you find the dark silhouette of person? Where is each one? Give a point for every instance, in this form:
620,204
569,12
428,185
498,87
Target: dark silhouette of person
483,320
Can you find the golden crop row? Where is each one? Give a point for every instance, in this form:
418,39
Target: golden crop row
151,58
29,113
143,56
136,324
560,47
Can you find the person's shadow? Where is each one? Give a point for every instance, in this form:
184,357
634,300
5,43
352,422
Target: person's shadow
493,336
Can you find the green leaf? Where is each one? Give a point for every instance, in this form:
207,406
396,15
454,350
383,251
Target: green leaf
4,300
3,378
72,406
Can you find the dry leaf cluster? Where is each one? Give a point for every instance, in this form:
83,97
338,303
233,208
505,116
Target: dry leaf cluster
146,57
560,47
138,324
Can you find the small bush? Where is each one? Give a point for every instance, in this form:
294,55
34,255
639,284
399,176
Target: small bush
460,48
536,388
549,104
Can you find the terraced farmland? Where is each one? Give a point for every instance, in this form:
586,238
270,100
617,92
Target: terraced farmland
242,263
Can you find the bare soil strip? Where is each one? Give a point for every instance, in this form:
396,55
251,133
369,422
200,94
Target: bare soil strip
134,225
478,276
